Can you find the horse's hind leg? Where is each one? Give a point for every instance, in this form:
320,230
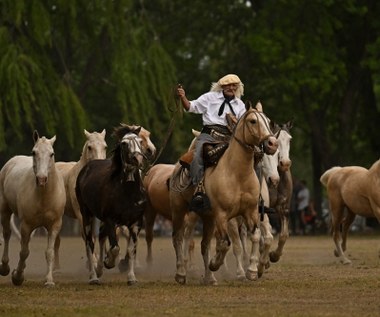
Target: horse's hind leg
208,232
336,220
283,236
266,233
18,273
90,247
5,222
348,220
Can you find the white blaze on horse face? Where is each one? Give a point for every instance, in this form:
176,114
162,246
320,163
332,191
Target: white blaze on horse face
264,132
133,143
43,159
95,147
284,161
270,171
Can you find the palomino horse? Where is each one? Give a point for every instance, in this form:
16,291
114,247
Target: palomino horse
111,190
281,192
354,189
95,148
33,189
233,189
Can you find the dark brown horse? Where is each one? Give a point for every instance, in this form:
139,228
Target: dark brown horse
111,190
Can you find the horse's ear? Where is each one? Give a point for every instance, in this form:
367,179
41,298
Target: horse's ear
259,106
195,132
248,105
289,124
52,140
103,133
231,121
35,136
272,125
137,130
86,133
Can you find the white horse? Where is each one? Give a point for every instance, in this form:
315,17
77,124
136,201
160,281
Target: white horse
95,148
33,189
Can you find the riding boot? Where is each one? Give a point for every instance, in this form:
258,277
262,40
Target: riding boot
200,203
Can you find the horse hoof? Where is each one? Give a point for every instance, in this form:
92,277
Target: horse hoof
213,266
180,279
346,262
212,282
274,257
17,279
251,275
4,269
94,281
132,282
49,284
123,266
112,254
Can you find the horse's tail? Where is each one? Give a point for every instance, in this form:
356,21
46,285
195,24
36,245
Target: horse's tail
326,175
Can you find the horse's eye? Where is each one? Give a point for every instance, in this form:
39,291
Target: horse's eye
253,121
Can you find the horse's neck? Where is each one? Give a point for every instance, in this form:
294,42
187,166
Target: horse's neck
237,159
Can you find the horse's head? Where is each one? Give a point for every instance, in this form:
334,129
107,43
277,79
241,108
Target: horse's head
95,147
282,133
147,145
253,129
270,170
43,158
129,150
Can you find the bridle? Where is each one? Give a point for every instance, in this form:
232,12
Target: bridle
249,147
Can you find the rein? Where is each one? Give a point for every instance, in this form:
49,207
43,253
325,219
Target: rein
168,134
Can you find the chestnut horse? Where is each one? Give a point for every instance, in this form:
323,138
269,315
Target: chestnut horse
353,189
233,189
33,189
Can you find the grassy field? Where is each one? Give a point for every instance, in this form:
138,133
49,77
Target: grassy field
308,281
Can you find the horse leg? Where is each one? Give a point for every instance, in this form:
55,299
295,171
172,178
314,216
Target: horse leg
150,217
130,257
53,233
5,222
267,238
18,273
188,248
348,220
90,246
337,211
178,215
114,250
283,236
237,247
223,242
57,244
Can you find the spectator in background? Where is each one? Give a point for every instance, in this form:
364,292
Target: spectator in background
303,201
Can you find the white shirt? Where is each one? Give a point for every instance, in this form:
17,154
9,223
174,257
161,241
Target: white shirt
208,105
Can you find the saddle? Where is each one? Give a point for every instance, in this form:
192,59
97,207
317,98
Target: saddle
212,152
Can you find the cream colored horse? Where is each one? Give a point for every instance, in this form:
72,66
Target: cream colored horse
95,148
233,189
356,190
33,189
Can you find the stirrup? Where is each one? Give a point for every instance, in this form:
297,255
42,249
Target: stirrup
200,203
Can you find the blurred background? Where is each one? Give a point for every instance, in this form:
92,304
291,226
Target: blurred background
66,66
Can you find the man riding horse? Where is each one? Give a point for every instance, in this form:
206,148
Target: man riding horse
222,99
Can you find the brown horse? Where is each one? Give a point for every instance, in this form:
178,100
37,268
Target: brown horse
356,190
233,189
112,191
